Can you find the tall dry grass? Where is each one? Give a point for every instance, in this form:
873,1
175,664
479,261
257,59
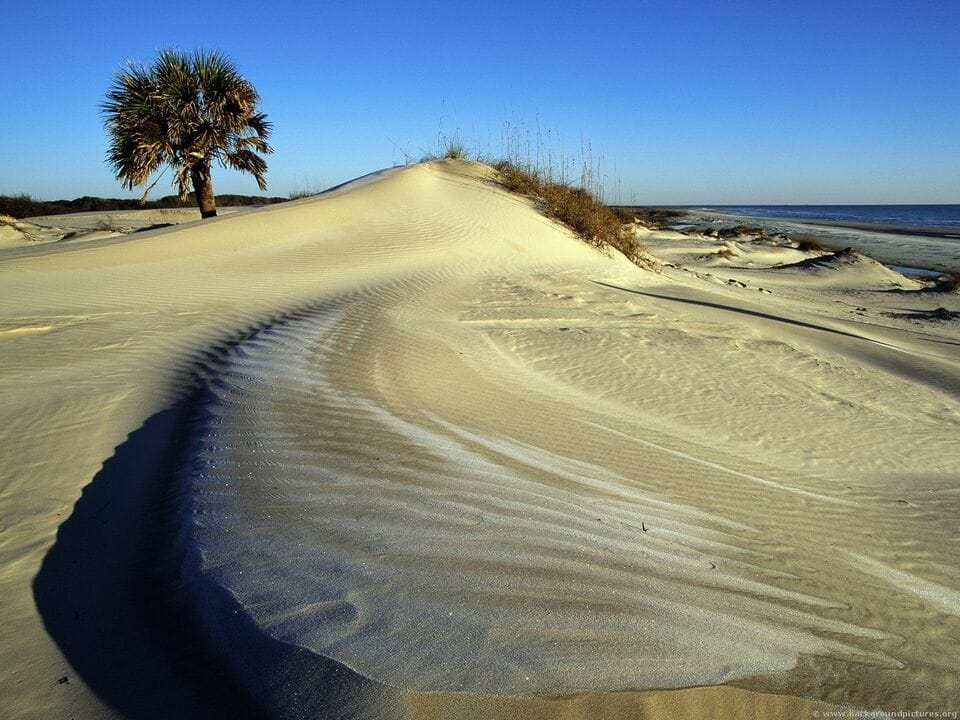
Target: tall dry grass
576,207
565,189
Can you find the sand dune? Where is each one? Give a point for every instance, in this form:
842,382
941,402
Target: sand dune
409,449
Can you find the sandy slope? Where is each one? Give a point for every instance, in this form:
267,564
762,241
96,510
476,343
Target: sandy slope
446,460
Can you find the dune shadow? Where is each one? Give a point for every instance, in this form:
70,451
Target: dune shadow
103,589
883,355
734,309
120,594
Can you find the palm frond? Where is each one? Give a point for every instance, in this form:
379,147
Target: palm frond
248,161
187,111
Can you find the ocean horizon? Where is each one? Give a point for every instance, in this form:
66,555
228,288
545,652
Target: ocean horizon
922,215
923,237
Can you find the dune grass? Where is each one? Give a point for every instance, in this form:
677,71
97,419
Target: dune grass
537,172
808,243
575,207
108,224
300,194
949,282
455,150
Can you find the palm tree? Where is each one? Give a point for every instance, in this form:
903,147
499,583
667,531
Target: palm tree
185,111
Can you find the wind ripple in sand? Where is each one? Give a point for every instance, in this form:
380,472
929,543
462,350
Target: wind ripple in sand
431,556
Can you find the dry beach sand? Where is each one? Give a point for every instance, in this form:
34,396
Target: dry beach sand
410,449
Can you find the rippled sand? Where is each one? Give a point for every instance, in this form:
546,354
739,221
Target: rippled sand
427,455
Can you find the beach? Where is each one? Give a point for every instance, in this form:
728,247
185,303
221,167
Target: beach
923,247
411,449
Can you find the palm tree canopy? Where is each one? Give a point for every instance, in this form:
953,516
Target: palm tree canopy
185,110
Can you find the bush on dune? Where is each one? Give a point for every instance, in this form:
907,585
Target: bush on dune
808,243
455,151
949,282
576,208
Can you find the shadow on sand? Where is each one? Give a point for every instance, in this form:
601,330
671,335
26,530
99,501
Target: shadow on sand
103,589
121,596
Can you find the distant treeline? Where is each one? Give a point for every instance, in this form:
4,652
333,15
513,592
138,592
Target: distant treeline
21,206
652,216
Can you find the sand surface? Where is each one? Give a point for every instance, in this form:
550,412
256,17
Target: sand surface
409,449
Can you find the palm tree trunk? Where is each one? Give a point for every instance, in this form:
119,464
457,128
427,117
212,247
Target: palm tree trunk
203,190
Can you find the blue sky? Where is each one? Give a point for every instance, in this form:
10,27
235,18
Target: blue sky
676,102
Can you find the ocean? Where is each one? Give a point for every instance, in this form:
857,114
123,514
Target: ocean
939,216
923,237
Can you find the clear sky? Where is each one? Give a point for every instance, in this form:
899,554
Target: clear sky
680,102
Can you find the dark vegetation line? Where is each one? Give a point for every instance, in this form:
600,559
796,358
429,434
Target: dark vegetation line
23,206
